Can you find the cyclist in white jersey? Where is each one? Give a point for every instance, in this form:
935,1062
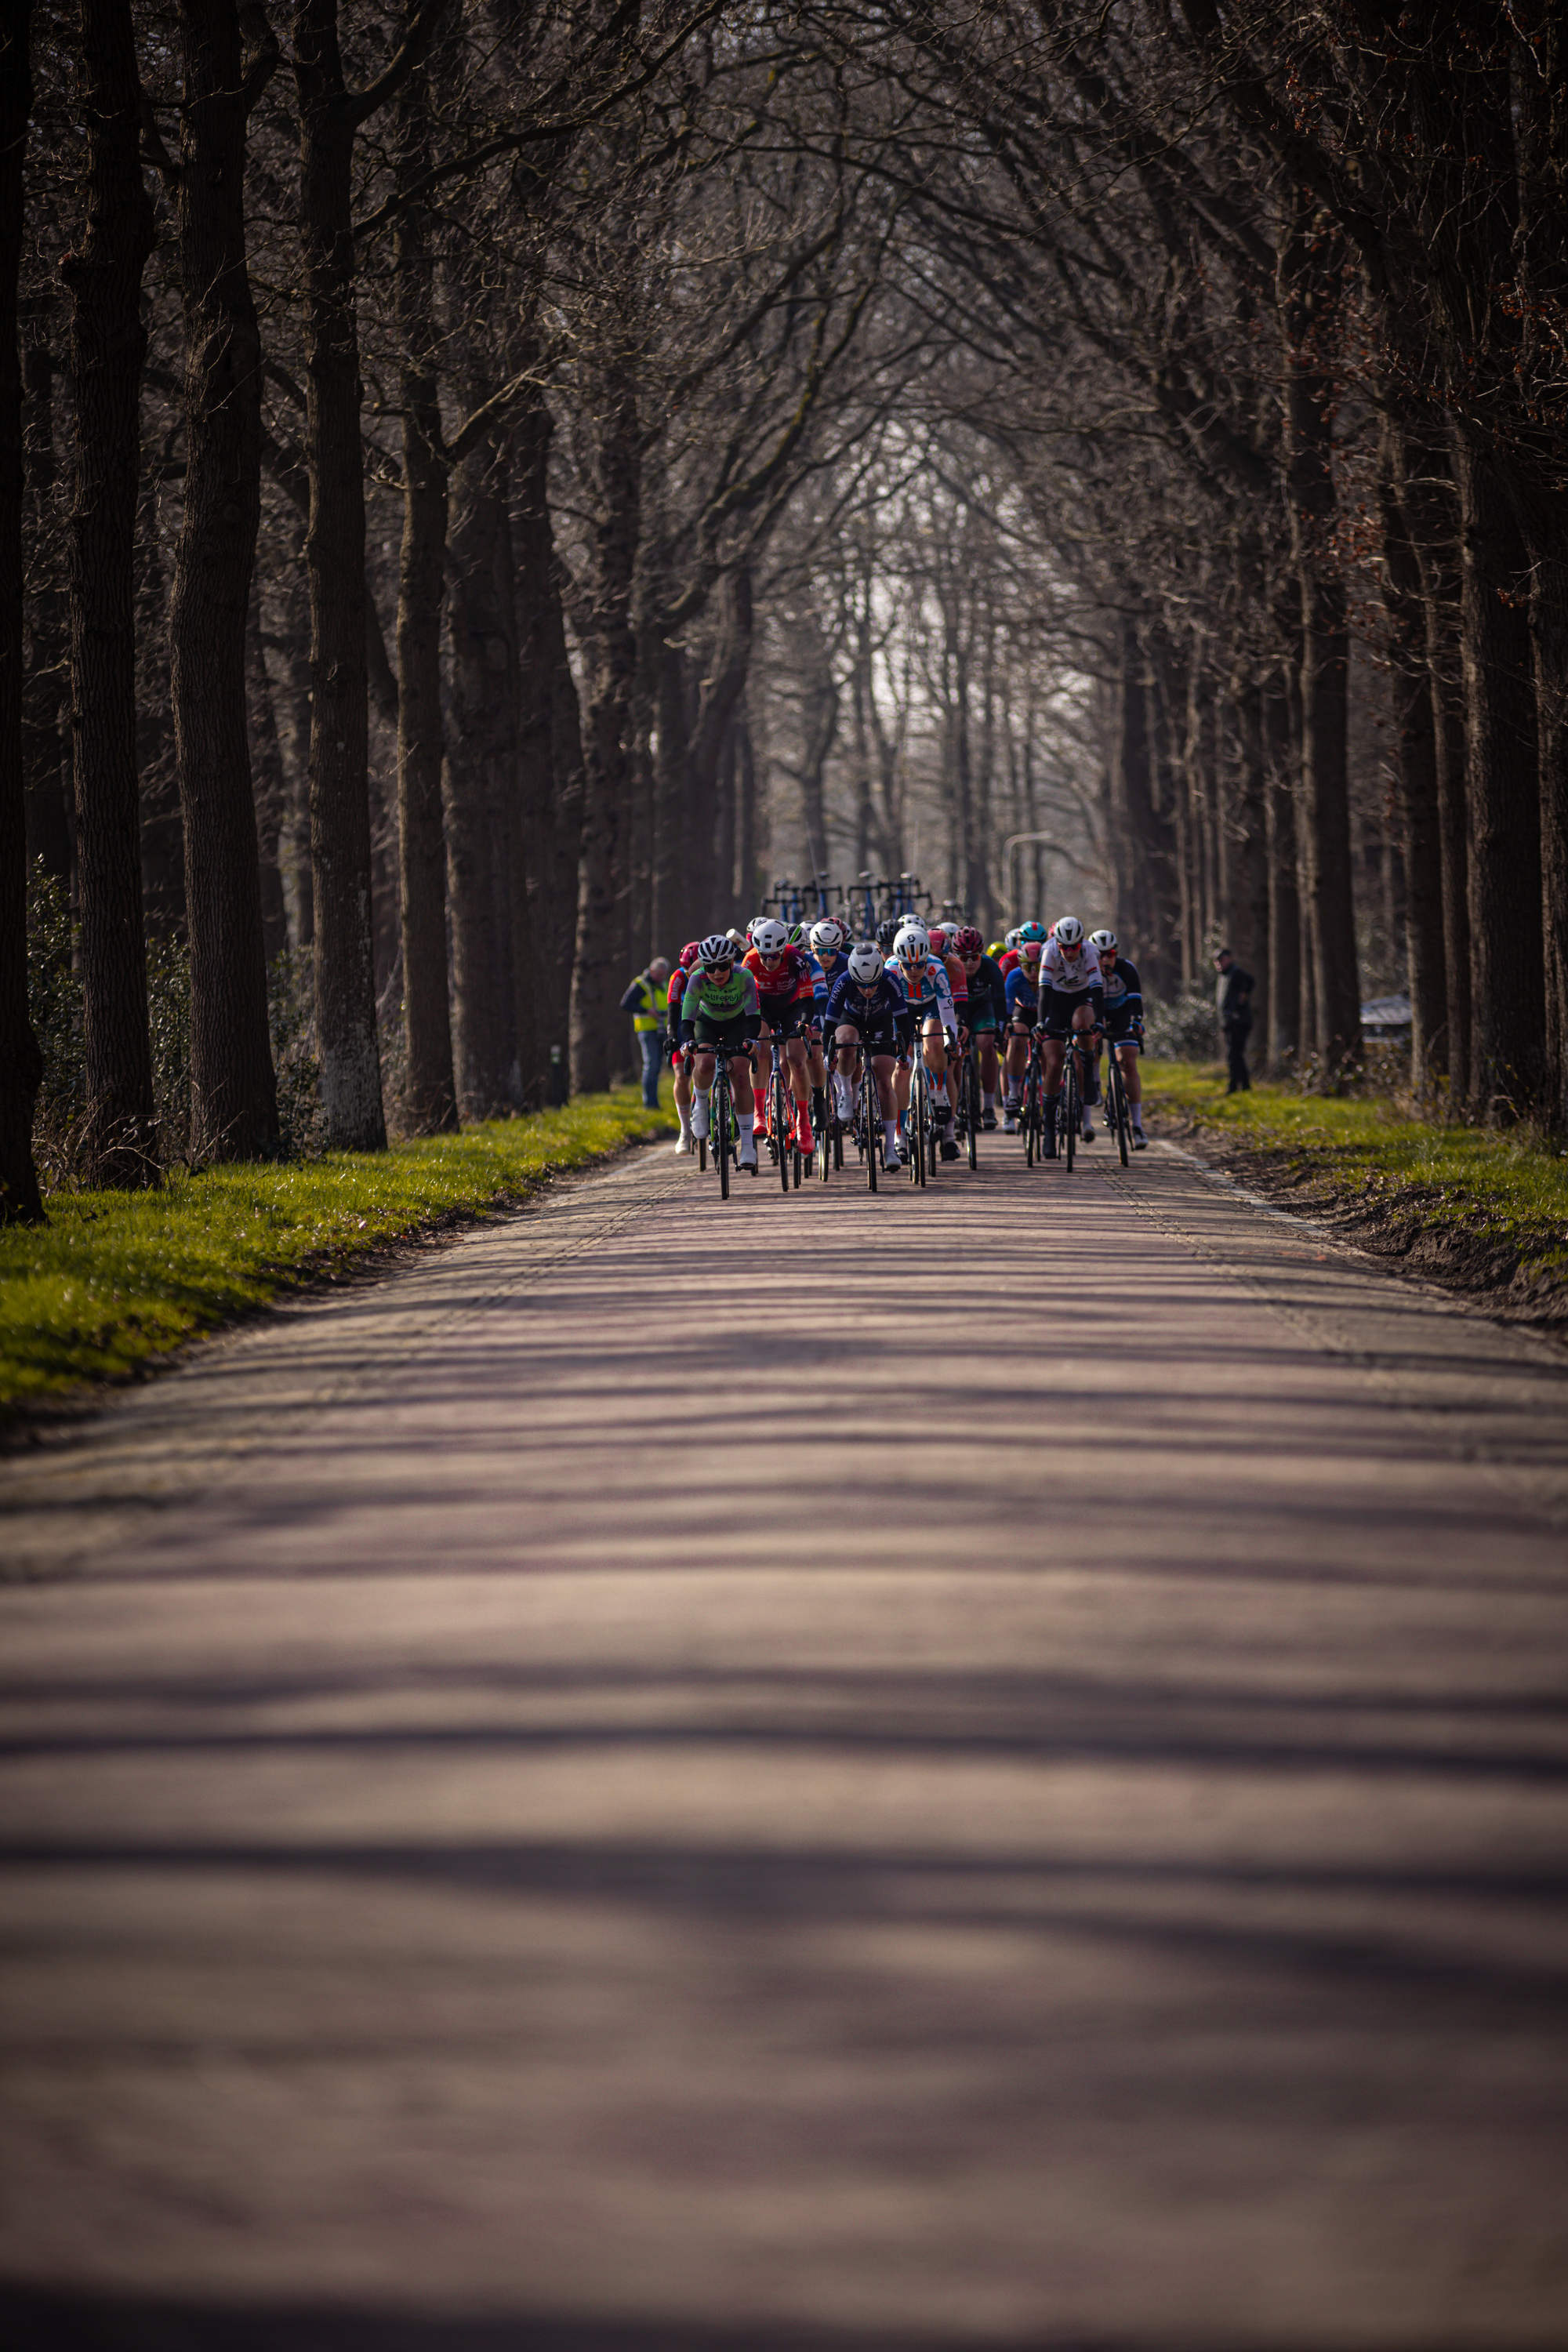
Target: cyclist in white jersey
930,994
1073,998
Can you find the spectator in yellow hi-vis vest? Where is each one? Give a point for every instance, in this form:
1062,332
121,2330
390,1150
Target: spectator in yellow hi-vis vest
648,1001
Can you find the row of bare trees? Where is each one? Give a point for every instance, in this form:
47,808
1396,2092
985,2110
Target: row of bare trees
480,486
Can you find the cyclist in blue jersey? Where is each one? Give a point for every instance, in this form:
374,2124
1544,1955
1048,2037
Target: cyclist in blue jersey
930,992
826,947
1123,1023
869,1012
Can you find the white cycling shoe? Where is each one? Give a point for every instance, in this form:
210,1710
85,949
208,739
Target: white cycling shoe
892,1158
747,1155
700,1118
685,1146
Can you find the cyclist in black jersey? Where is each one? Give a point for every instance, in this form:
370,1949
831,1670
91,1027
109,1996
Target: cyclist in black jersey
1123,1023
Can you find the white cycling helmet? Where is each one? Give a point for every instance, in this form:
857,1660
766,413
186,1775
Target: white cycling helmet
912,942
1102,942
1067,931
1010,940
717,948
865,963
769,937
827,936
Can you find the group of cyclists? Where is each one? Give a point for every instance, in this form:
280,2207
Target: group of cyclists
829,1007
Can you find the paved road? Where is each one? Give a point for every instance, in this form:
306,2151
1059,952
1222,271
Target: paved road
983,1768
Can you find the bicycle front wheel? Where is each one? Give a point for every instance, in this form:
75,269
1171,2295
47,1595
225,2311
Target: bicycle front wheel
1069,1108
721,1135
870,1132
1119,1103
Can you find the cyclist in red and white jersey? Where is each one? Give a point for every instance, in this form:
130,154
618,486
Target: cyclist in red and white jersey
785,993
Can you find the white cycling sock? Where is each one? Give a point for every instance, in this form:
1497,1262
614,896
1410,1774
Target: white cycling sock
890,1130
988,1102
746,1120
702,1111
1137,1111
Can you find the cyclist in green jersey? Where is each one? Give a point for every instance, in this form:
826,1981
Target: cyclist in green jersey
720,1014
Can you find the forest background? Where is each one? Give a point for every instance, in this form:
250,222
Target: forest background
486,489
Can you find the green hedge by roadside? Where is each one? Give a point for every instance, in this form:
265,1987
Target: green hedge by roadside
116,1278
1507,1191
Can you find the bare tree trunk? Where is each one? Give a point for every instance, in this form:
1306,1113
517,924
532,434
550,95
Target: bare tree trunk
671,891
745,816
1247,878
108,343
234,1097
430,1096
44,703
1283,1034
481,787
270,790
21,1062
1413,713
330,118
721,696
1304,276
611,648
1508,995
549,750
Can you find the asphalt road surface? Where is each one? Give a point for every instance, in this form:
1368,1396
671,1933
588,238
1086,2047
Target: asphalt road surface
976,1769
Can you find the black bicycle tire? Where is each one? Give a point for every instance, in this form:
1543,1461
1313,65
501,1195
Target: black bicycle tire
1124,1117
869,1099
972,1072
702,1155
1069,1106
721,1135
778,1115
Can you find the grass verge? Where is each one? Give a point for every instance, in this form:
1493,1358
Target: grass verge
115,1279
1481,1211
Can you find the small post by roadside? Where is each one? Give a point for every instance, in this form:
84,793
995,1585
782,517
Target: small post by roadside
557,1079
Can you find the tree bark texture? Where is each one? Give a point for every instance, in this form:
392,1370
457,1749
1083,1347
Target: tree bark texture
549,737
45,705
1413,715
611,651
234,1096
21,1062
1430,505
430,1096
718,699
481,786
1325,661
270,790
109,345
334,554
1283,1035
1508,998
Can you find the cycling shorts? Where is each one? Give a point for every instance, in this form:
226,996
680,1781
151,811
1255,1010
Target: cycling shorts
1057,1008
978,1019
728,1037
790,1019
1119,1029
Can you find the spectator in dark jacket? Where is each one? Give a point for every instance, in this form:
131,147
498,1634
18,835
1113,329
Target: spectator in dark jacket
1233,1002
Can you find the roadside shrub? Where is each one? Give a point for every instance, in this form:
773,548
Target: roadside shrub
290,1019
1182,1029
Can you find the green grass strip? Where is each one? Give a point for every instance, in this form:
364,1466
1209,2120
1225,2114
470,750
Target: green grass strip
116,1278
1507,1187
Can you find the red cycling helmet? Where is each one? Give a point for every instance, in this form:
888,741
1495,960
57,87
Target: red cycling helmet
967,941
690,954
938,938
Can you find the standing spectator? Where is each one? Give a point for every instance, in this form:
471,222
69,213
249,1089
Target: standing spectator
646,1000
1233,1002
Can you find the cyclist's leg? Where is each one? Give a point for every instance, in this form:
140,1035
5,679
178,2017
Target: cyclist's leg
702,1088
1017,1064
882,1069
986,1039
1131,1078
745,1118
680,1067
761,1072
847,1039
1083,1029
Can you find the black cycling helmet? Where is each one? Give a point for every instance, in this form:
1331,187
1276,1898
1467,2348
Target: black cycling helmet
888,932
